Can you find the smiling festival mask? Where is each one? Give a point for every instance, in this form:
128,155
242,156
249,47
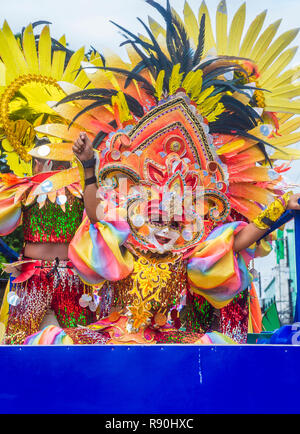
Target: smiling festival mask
186,141
168,176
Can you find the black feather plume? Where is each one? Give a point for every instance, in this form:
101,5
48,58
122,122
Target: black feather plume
201,40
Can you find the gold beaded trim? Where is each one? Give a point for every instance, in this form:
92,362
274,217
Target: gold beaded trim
272,213
7,96
258,94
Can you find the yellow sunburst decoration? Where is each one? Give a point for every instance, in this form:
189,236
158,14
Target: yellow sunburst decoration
271,55
260,62
29,73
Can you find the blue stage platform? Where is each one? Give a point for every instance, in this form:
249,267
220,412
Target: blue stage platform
156,379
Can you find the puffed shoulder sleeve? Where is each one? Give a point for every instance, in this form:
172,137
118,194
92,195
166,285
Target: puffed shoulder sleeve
98,253
10,209
215,271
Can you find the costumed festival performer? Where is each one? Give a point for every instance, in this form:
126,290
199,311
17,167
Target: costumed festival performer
179,167
41,193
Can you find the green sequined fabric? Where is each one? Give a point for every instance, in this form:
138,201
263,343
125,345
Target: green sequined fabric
51,224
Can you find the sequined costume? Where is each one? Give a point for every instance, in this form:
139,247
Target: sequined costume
180,123
39,285
155,301
188,138
36,69
52,224
52,286
49,205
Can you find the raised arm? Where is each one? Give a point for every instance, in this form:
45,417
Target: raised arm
97,250
251,233
84,152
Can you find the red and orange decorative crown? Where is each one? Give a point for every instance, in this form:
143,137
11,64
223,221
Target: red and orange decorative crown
170,153
189,110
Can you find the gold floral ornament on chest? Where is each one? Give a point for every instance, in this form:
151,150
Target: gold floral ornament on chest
154,285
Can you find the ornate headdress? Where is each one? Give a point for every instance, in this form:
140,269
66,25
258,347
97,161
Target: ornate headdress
192,111
31,67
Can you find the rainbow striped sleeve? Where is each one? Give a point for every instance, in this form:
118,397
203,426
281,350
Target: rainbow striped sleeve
10,211
215,271
97,251
50,335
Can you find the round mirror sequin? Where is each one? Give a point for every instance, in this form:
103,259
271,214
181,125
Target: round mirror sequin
13,299
92,306
43,151
61,199
46,186
41,198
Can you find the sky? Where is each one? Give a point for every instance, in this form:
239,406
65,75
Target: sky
87,22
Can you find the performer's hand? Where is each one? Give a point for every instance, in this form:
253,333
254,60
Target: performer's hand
83,148
293,202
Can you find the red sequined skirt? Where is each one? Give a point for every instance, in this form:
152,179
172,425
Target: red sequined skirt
40,286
